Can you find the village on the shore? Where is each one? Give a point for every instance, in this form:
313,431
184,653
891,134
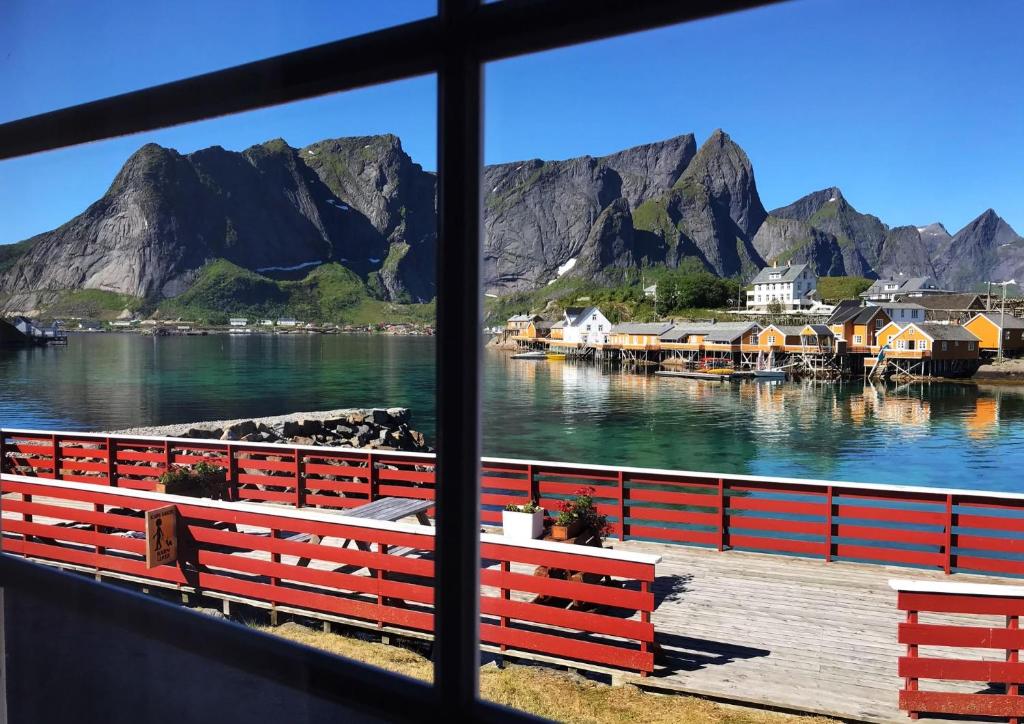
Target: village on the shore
903,327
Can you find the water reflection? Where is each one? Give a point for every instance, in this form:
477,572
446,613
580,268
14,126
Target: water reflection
960,435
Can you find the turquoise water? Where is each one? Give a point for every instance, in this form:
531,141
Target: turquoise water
948,435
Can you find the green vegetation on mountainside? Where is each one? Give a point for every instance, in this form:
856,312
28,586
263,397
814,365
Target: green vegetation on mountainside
329,293
835,289
92,304
688,291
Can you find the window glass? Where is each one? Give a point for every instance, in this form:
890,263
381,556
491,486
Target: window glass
58,54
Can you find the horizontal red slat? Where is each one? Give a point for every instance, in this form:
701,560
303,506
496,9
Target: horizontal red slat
487,481
340,469
890,555
83,465
671,516
950,603
675,534
813,548
398,491
82,453
570,561
982,637
790,507
84,536
670,496
82,515
987,522
139,470
565,618
990,565
139,456
570,648
990,543
778,525
942,702
408,476
573,590
282,466
890,535
959,670
890,514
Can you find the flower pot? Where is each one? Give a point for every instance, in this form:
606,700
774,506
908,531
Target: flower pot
565,532
522,526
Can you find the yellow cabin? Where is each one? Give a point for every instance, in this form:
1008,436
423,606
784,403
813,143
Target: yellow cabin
931,340
988,326
638,336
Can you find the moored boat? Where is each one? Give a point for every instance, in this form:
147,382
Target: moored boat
531,355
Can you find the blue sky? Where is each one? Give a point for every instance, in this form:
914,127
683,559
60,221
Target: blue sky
915,109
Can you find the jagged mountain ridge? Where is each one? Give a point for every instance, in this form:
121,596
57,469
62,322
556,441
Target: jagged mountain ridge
364,203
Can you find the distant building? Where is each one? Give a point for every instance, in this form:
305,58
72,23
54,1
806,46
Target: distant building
267,323
651,291
537,330
517,323
902,312
988,327
949,306
902,286
858,326
585,326
791,286
935,341
638,336
238,321
287,322
121,323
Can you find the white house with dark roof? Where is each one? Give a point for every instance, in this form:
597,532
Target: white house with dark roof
791,286
586,326
902,286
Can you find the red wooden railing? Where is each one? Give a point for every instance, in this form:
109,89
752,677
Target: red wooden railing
958,633
250,551
937,528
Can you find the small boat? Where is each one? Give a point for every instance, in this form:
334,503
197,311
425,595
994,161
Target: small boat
693,375
531,355
555,356
770,374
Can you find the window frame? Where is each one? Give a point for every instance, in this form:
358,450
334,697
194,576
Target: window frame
454,45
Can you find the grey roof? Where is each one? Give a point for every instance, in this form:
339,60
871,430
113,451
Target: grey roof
544,325
789,330
730,331
867,314
578,315
952,332
907,285
787,274
898,305
1009,321
655,328
523,317
954,302
560,324
846,309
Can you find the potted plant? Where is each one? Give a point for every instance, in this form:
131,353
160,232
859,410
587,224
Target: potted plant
524,522
199,481
578,514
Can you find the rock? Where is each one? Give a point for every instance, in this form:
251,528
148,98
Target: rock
381,417
240,429
253,437
399,414
200,434
304,441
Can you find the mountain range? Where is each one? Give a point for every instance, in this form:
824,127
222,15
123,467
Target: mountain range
362,207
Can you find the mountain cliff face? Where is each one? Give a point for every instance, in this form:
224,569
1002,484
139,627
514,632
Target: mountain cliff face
987,249
364,204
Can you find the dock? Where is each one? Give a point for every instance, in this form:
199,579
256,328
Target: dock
694,375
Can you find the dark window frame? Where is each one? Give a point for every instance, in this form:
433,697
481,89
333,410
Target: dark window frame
454,45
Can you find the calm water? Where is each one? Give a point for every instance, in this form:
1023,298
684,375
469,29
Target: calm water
948,435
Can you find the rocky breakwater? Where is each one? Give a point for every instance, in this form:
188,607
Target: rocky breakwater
376,428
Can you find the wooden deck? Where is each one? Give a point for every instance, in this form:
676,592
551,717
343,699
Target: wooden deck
785,631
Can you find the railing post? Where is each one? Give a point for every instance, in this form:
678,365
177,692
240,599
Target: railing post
622,505
1013,657
382,548
300,488
722,535
911,683
275,557
506,595
3,451
372,469
111,462
534,486
55,440
828,524
232,473
645,617
168,456
947,565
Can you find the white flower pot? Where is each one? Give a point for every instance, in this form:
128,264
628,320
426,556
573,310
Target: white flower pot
522,526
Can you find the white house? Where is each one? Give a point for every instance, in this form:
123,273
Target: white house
792,286
902,312
238,321
904,286
585,326
287,322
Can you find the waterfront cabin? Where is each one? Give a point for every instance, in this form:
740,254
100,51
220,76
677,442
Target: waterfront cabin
988,327
858,326
517,323
817,337
730,335
778,337
585,326
267,323
641,336
935,341
287,322
791,286
537,330
558,329
238,321
895,288
885,335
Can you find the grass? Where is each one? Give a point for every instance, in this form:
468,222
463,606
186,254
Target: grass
546,692
834,289
92,304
